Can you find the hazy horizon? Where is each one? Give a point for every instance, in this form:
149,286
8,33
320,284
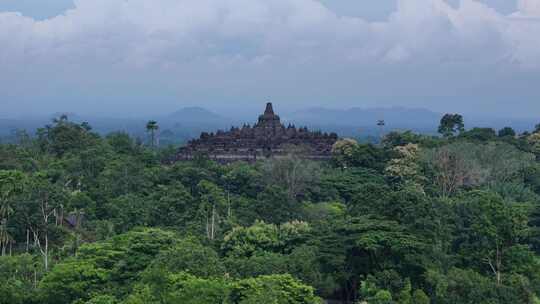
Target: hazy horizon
247,114
138,59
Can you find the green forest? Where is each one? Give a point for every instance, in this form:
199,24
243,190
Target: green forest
414,219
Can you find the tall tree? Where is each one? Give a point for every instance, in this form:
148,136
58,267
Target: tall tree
152,127
453,166
292,172
451,124
213,205
534,143
507,132
63,136
491,232
405,168
11,185
40,210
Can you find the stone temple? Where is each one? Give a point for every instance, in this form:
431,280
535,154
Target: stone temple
268,138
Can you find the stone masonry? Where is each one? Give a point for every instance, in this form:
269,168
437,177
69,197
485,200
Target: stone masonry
268,138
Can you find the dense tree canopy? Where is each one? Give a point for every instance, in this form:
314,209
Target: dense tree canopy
417,219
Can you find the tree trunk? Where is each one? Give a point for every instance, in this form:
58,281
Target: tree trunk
229,213
499,264
3,235
496,268
61,215
213,221
46,253
207,226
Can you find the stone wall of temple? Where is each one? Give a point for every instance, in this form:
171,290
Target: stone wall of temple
268,138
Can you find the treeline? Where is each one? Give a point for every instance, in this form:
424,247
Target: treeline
417,219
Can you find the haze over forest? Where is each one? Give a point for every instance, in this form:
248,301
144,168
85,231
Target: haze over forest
178,127
269,151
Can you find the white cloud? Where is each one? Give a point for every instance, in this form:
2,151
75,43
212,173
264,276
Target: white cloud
140,32
199,41
529,7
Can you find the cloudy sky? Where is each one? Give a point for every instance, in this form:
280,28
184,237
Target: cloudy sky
142,57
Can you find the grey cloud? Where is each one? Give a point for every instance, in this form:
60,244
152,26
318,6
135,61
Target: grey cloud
529,7
248,47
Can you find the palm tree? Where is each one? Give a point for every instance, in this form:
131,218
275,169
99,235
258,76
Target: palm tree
381,123
152,127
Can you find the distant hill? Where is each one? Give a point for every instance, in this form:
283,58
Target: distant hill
196,115
8,126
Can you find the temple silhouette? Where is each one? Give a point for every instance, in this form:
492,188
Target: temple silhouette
268,138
